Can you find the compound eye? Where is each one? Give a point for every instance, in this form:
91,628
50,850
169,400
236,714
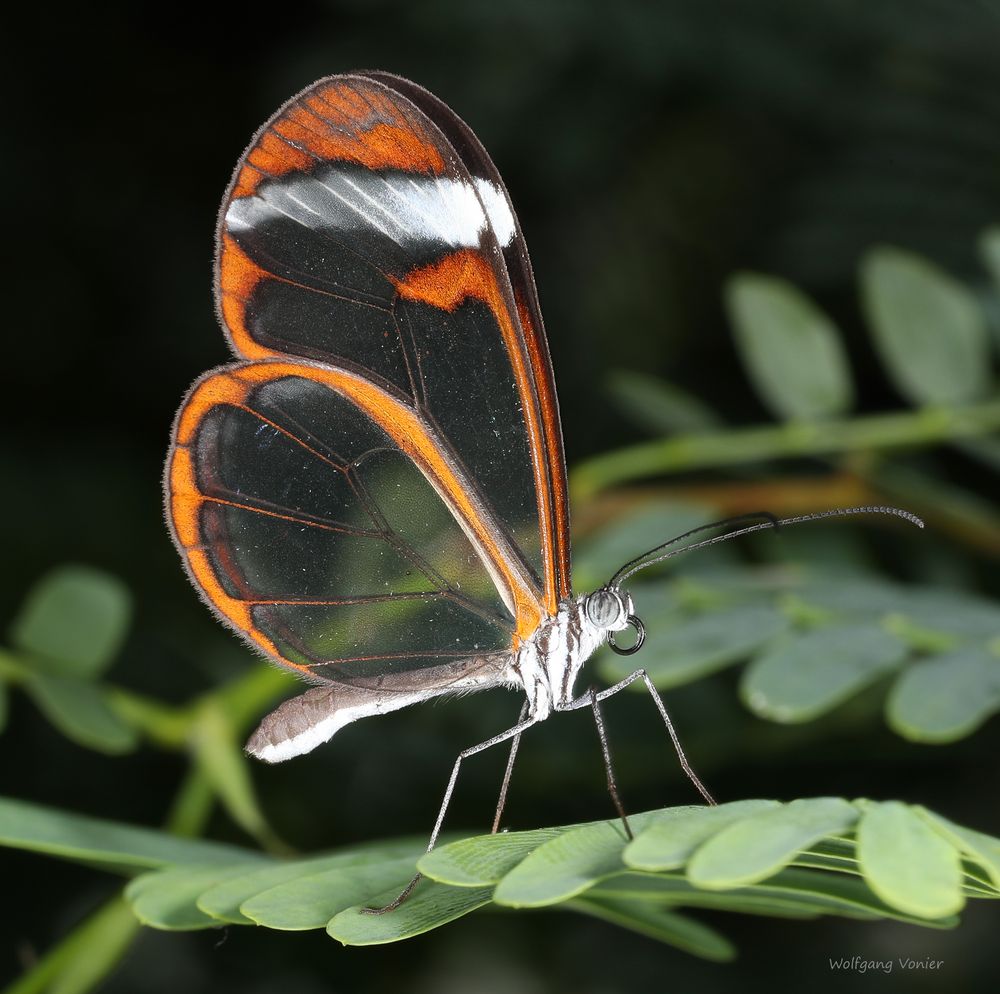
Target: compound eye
605,609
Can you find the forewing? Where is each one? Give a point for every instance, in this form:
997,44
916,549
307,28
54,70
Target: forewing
487,180
354,234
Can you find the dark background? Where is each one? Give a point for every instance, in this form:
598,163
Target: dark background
650,150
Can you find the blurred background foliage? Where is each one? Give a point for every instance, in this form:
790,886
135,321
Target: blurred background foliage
680,169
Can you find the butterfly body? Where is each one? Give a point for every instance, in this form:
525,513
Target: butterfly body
548,663
544,667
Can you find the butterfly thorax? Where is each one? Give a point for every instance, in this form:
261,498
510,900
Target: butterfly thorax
547,664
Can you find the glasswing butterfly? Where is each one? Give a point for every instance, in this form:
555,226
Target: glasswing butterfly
374,494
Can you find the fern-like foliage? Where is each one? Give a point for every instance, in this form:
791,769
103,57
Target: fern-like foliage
814,856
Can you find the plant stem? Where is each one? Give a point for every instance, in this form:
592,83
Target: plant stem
192,804
84,957
245,698
241,699
725,448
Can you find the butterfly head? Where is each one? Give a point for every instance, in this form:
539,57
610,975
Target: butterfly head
611,610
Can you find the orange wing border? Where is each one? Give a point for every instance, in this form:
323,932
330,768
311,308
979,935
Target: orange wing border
232,385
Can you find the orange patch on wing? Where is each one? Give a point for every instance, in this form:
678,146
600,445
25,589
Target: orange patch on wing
246,183
185,497
238,278
274,157
559,539
339,124
236,610
187,500
343,104
451,280
446,284
222,388
233,608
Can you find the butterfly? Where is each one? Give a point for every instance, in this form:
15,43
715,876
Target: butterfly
374,493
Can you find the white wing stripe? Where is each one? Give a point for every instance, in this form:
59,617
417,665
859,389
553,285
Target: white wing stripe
410,210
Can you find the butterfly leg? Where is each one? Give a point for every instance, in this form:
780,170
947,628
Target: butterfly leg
608,768
502,799
585,701
511,733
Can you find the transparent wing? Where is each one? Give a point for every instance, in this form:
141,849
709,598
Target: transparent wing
354,234
487,178
324,519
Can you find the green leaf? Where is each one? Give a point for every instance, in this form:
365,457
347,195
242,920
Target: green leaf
597,558
976,881
201,884
847,895
983,849
989,250
430,906
483,859
719,585
692,647
791,350
936,610
857,597
80,711
659,407
224,763
758,846
791,893
946,697
667,843
808,675
829,854
224,900
167,899
568,864
75,618
4,704
928,328
658,923
117,847
312,901
952,612
907,863
671,888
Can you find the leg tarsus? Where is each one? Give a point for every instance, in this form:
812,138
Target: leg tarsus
608,768
396,901
502,799
585,701
511,733
685,765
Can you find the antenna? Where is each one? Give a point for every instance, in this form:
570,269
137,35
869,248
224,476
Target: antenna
658,555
